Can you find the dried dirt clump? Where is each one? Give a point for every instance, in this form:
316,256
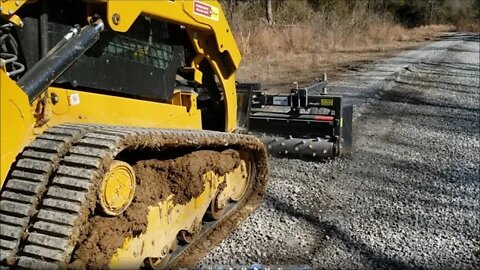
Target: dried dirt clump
156,180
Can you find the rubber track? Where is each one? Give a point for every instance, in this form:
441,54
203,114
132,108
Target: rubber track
27,183
54,232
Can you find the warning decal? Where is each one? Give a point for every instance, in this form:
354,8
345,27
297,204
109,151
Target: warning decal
206,10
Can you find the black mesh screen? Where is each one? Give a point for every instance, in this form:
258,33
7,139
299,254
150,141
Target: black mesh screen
146,43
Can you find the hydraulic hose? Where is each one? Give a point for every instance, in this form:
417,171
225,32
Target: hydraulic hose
71,47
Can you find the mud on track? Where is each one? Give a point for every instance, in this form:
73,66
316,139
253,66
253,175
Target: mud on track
157,179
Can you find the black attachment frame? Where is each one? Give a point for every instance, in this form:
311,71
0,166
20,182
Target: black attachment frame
298,116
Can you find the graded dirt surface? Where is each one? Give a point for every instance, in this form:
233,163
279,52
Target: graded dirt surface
407,198
156,180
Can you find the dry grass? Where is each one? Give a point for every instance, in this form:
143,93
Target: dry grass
261,41
304,44
300,51
468,26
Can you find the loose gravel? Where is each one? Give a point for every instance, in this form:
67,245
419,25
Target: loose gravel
408,197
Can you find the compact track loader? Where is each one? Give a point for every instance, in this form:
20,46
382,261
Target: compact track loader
120,141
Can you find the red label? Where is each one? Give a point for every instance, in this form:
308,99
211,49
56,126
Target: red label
202,9
323,118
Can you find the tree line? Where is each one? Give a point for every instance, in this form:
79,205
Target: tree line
410,13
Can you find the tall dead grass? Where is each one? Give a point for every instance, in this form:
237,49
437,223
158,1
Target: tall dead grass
303,44
468,26
301,31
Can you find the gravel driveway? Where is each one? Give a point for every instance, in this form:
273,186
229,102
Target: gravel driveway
408,197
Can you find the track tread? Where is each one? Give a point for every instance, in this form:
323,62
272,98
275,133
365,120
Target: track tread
71,182
7,244
31,263
61,208
38,177
15,207
13,220
58,204
89,152
24,186
50,157
28,181
47,145
66,194
43,252
35,165
97,143
47,240
9,231
86,162
56,216
52,228
19,197
80,173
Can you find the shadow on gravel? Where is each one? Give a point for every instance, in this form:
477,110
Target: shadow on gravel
395,95
463,37
443,74
377,259
440,121
453,65
469,37
437,85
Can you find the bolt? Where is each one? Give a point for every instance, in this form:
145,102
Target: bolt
10,12
17,3
116,18
54,97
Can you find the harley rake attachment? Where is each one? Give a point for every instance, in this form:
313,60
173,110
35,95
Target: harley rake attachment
307,123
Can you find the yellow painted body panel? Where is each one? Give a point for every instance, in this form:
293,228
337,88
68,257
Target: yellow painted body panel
8,9
211,37
16,123
110,110
178,12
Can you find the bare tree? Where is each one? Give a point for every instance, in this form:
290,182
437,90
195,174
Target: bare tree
268,5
